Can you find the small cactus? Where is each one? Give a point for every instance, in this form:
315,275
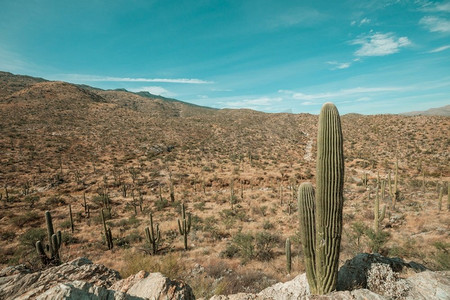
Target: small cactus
306,209
288,256
184,225
54,244
71,218
378,217
441,192
153,235
108,235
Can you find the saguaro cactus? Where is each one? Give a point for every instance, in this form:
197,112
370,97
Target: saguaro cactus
306,209
153,236
378,217
108,235
54,243
321,222
184,225
329,197
288,256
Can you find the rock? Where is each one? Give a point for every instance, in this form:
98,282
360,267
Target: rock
294,289
154,286
22,281
429,285
353,274
81,290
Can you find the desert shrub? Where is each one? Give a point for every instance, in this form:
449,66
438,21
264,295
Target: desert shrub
248,246
200,206
243,282
28,217
169,265
265,242
267,225
382,280
128,239
31,200
7,236
55,201
31,236
160,204
377,239
65,224
126,223
442,256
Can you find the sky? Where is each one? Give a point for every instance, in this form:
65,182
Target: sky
367,57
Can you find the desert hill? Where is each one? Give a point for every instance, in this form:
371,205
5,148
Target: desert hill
236,171
439,111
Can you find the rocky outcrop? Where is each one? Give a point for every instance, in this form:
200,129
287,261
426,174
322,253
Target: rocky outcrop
353,283
82,279
19,281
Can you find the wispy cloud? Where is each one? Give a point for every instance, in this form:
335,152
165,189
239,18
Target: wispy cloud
380,44
358,91
339,66
360,23
439,49
294,17
252,103
435,24
155,90
94,78
435,7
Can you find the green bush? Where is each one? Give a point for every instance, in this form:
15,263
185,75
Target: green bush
31,236
248,246
28,217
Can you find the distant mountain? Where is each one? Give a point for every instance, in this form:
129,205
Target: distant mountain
439,111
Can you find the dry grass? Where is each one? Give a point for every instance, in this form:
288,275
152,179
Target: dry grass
60,142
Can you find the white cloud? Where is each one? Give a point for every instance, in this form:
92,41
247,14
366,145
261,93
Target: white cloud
435,24
338,65
294,17
436,7
360,23
155,90
380,44
341,93
252,103
364,21
85,78
439,49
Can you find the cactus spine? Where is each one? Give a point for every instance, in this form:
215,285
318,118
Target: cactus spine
306,209
54,243
184,225
153,237
288,256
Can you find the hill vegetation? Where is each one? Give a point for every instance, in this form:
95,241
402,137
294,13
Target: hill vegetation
237,172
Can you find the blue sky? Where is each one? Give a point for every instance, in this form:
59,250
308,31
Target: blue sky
275,56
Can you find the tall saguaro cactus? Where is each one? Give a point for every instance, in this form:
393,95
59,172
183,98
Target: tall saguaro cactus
321,220
329,197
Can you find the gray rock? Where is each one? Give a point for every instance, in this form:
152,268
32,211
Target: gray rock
429,285
23,282
154,286
353,274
